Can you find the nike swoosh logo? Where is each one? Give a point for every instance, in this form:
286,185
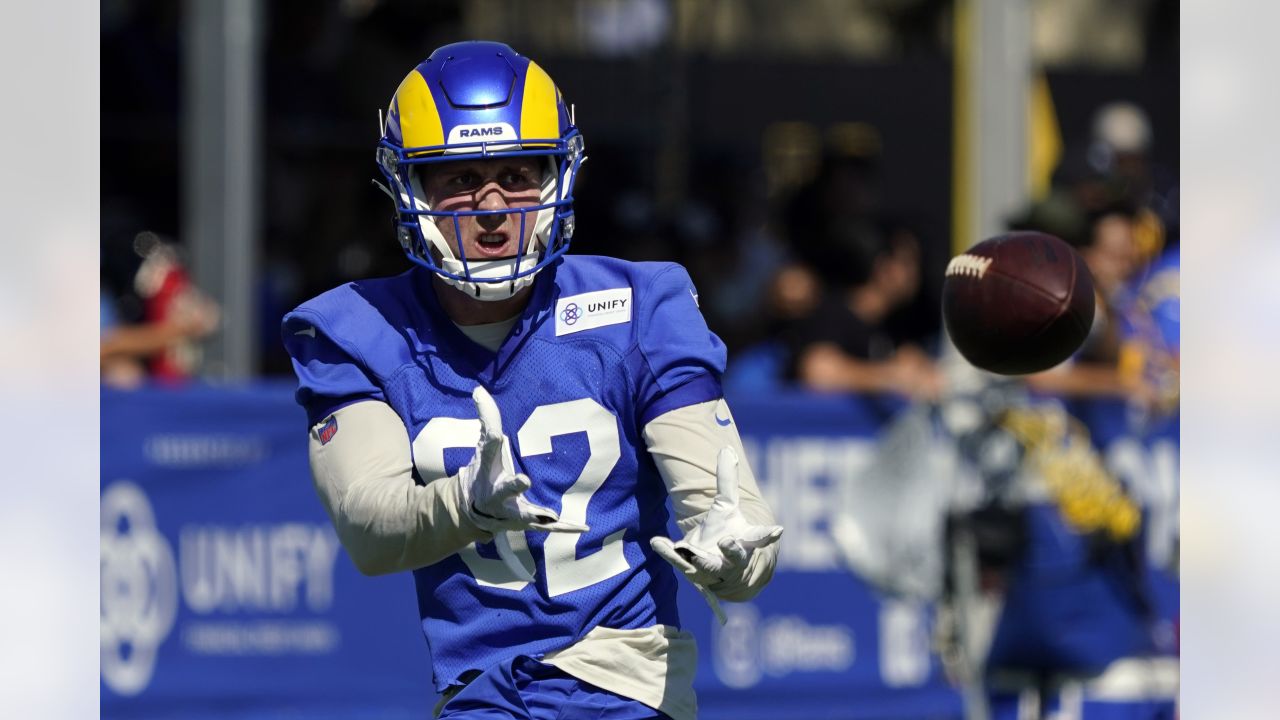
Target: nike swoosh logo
309,332
723,423
695,297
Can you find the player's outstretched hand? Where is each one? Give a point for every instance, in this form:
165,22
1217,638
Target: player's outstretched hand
493,490
717,552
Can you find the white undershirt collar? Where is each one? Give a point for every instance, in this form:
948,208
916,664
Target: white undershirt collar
489,335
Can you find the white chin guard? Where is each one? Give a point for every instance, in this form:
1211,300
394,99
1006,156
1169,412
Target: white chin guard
481,269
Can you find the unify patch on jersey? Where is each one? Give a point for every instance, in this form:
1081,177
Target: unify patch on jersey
593,310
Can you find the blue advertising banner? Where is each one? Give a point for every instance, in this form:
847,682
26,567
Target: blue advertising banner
225,592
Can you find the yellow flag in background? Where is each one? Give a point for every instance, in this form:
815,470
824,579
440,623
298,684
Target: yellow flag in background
1044,138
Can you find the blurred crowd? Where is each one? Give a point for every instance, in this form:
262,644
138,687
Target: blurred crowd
1121,212
837,315
825,293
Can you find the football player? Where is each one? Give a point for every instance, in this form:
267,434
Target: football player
509,423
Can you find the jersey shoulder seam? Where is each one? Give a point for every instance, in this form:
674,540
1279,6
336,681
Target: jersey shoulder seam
640,330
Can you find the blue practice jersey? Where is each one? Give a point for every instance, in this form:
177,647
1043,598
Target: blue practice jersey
603,347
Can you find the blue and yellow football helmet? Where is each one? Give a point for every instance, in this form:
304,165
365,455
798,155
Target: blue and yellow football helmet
480,99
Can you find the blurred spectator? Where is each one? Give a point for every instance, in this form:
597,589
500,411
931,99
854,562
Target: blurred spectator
1120,147
841,344
1107,244
171,314
1118,167
1115,166
791,296
1151,347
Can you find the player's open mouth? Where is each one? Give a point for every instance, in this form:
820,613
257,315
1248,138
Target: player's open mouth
493,245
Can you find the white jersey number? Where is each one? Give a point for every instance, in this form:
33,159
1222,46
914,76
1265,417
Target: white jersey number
565,571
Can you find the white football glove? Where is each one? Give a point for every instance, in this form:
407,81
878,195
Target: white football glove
494,492
717,551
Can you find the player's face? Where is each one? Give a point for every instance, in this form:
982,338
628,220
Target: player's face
1112,255
900,269
486,184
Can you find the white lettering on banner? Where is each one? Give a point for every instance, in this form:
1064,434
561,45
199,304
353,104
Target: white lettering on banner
747,647
261,637
790,644
139,589
204,450
232,569
736,646
800,478
1151,475
904,643
265,568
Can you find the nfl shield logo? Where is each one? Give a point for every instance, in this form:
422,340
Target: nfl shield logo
328,430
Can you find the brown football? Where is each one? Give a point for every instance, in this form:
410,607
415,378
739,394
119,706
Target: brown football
1018,303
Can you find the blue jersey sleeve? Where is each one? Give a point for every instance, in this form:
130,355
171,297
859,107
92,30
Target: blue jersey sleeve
330,373
683,359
